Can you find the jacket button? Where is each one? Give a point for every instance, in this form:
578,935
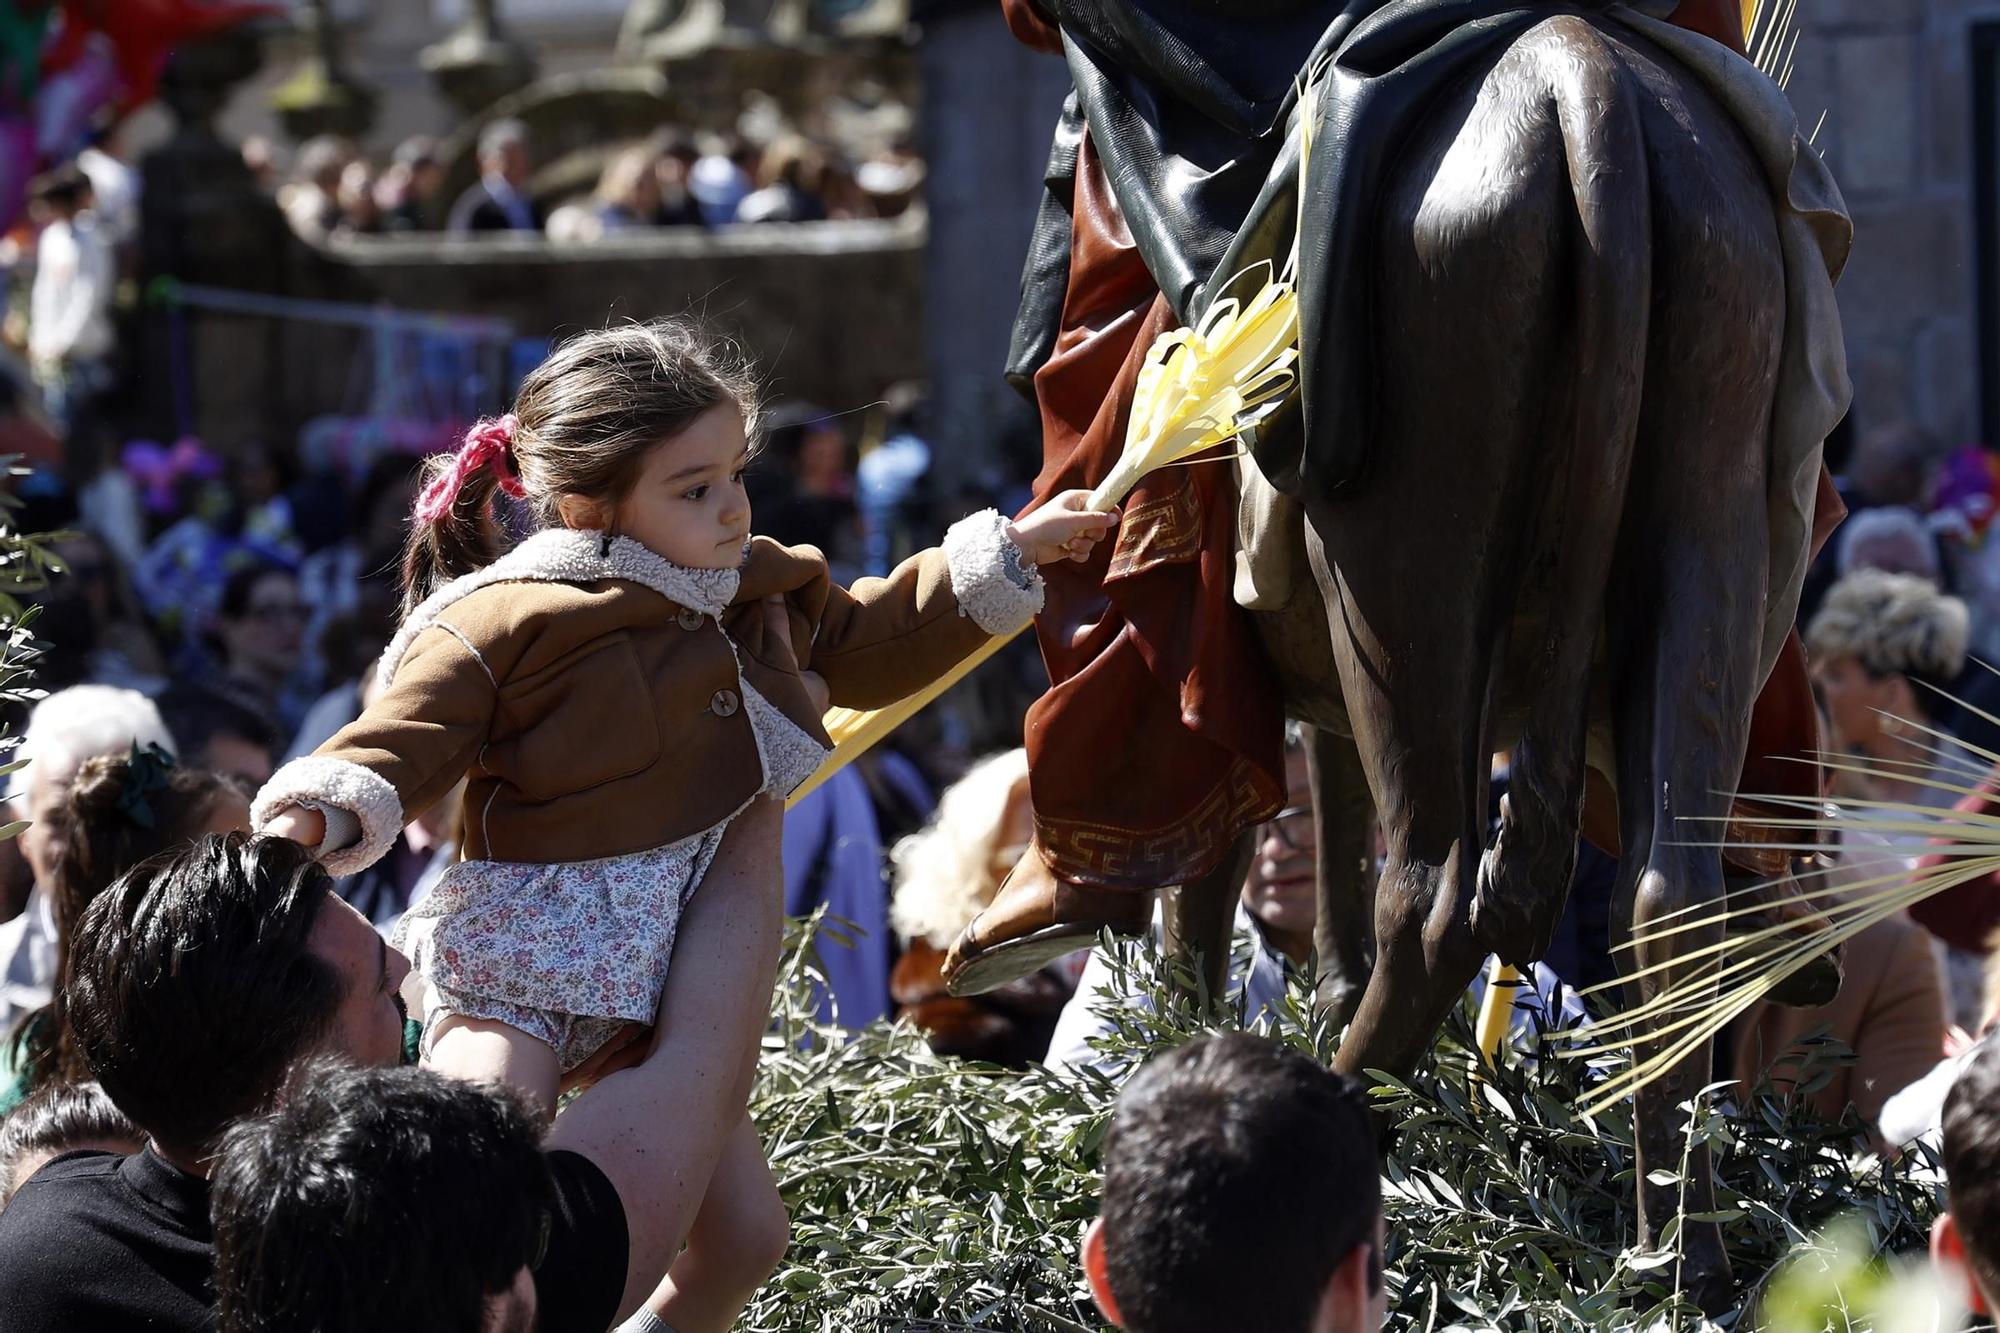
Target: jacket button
689,618
725,703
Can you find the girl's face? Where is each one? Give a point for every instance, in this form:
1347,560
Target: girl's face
688,504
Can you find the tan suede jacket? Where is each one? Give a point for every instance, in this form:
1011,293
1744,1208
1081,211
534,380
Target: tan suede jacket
602,701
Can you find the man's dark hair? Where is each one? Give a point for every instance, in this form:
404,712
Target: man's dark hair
376,1198
64,187
60,1118
1238,1175
192,990
1972,1160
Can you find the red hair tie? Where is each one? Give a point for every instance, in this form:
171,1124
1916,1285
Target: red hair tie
485,446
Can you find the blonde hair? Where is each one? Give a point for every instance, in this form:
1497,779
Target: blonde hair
944,874
1893,624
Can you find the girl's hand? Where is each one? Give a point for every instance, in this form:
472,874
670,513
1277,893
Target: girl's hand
303,826
1064,527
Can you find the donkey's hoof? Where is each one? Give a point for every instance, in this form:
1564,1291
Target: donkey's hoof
1508,918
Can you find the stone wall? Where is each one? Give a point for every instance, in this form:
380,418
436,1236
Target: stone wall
989,109
832,312
1893,79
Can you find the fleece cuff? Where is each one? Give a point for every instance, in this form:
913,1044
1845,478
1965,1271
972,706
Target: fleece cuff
335,784
983,560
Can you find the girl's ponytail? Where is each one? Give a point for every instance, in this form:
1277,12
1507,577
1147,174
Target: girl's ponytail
453,531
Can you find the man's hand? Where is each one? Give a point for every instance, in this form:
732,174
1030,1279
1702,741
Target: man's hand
1064,528
624,1051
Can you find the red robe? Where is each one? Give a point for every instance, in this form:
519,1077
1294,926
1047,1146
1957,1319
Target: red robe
1160,739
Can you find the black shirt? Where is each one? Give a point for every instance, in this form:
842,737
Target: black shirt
99,1242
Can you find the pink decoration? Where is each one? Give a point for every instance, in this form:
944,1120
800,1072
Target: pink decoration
485,446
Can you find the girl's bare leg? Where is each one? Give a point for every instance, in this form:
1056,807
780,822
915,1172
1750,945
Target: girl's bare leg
738,1239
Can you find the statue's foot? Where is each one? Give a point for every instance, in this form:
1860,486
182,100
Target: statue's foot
1033,920
1778,901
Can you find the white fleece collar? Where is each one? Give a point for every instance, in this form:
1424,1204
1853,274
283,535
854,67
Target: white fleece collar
571,555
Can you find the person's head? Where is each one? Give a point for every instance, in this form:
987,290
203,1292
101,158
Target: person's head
416,159
356,196
1891,538
951,869
434,1189
260,159
1877,640
321,160
639,430
119,811
809,441
1894,465
261,622
59,195
503,152
1281,890
202,976
66,729
1966,1240
629,182
790,161
1242,1189
60,1118
222,733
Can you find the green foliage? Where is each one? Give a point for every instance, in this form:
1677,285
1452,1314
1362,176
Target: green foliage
26,565
934,1194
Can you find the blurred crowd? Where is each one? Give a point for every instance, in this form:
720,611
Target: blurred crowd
672,178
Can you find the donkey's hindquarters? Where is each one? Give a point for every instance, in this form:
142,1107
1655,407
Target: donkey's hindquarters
1562,544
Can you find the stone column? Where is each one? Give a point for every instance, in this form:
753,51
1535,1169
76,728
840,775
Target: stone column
990,107
204,220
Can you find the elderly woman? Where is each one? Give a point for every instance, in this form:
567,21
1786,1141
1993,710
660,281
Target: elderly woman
1882,647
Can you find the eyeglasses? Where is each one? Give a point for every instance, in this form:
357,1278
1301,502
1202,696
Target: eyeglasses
280,612
1294,827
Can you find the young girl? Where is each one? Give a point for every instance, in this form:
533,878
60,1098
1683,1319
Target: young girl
615,690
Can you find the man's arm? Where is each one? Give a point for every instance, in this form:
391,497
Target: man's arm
656,1130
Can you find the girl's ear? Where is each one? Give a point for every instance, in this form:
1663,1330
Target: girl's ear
580,512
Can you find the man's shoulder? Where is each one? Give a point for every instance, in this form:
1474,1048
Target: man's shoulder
53,1199
51,1217
86,1169
79,1250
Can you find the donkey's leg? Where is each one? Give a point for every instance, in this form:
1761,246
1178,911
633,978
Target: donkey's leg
1421,567
1688,585
1198,919
1343,937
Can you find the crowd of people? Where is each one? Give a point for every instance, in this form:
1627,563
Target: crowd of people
185,1125
671,178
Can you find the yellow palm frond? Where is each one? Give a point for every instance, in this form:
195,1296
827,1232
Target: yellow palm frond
1711,979
1771,34
1196,392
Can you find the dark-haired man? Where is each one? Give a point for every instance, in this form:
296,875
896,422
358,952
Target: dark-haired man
198,981
1241,1190
1965,1243
352,1144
